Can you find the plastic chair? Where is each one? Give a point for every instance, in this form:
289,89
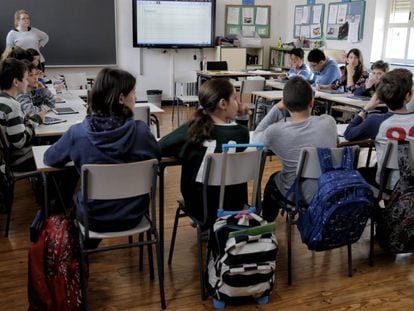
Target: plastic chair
309,168
246,88
143,113
185,92
8,179
119,181
76,81
222,169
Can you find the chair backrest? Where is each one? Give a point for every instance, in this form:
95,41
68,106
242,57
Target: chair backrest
390,163
308,164
76,81
225,169
217,65
185,84
142,113
249,86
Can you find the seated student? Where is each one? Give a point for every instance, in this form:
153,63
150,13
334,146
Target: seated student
297,65
287,138
325,70
37,97
107,135
365,126
211,126
378,69
395,90
354,76
36,58
19,130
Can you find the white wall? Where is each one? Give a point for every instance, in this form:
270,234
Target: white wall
159,66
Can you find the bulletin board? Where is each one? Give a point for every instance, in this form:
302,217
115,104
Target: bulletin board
309,21
246,19
346,21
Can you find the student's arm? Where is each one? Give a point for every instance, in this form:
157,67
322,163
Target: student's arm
59,153
172,143
329,74
275,114
18,133
43,37
47,97
10,39
26,103
360,82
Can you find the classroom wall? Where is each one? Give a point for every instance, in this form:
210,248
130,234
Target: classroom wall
156,68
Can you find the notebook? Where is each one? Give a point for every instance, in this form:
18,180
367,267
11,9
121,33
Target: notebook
50,120
64,110
330,91
359,97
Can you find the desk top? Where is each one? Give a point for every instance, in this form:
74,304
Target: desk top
237,73
269,95
38,153
275,84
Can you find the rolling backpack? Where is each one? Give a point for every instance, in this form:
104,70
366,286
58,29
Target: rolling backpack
243,261
340,208
395,230
54,271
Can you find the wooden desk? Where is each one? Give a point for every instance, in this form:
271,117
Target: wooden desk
275,84
209,74
268,96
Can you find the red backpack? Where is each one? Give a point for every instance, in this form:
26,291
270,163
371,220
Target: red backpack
54,276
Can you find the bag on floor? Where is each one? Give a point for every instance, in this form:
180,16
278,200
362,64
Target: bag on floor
54,267
243,260
340,208
395,230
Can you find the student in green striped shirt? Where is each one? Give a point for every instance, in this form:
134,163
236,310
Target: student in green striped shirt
18,130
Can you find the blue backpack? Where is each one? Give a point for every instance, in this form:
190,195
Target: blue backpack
340,208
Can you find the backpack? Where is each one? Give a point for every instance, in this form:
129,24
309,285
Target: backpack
54,267
243,261
395,230
340,208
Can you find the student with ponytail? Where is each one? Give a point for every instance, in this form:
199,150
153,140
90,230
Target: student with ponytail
211,126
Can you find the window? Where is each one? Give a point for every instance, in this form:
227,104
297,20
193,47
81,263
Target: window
399,34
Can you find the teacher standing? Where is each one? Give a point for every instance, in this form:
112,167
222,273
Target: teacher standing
25,36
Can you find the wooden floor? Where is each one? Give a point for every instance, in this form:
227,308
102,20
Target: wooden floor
320,280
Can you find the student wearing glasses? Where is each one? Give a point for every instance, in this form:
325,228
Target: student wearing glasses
325,70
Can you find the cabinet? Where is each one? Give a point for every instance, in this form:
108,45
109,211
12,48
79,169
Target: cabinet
279,57
240,58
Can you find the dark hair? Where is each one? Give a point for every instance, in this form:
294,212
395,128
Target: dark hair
298,52
297,94
316,55
19,53
33,52
29,65
105,93
360,67
381,65
11,69
394,86
211,92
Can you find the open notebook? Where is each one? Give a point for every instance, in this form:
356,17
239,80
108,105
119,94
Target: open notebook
50,120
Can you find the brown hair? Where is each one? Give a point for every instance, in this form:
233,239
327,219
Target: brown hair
17,16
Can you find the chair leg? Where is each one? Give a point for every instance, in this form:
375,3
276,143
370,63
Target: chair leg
173,110
200,264
150,257
141,252
174,234
371,243
84,289
289,246
349,260
8,202
160,275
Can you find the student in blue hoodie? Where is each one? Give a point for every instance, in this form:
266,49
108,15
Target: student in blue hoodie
108,135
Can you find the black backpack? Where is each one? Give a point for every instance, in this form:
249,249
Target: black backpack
395,230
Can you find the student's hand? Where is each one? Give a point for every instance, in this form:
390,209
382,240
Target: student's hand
42,114
371,82
350,69
281,105
317,87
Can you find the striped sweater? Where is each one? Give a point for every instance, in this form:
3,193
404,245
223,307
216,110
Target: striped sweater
35,101
19,131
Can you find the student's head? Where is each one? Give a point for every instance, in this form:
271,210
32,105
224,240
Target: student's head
394,88
296,57
33,74
297,95
21,18
13,75
354,57
19,53
316,59
36,56
378,69
217,97
113,94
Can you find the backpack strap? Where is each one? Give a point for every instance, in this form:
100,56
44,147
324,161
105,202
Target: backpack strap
325,159
347,159
406,179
